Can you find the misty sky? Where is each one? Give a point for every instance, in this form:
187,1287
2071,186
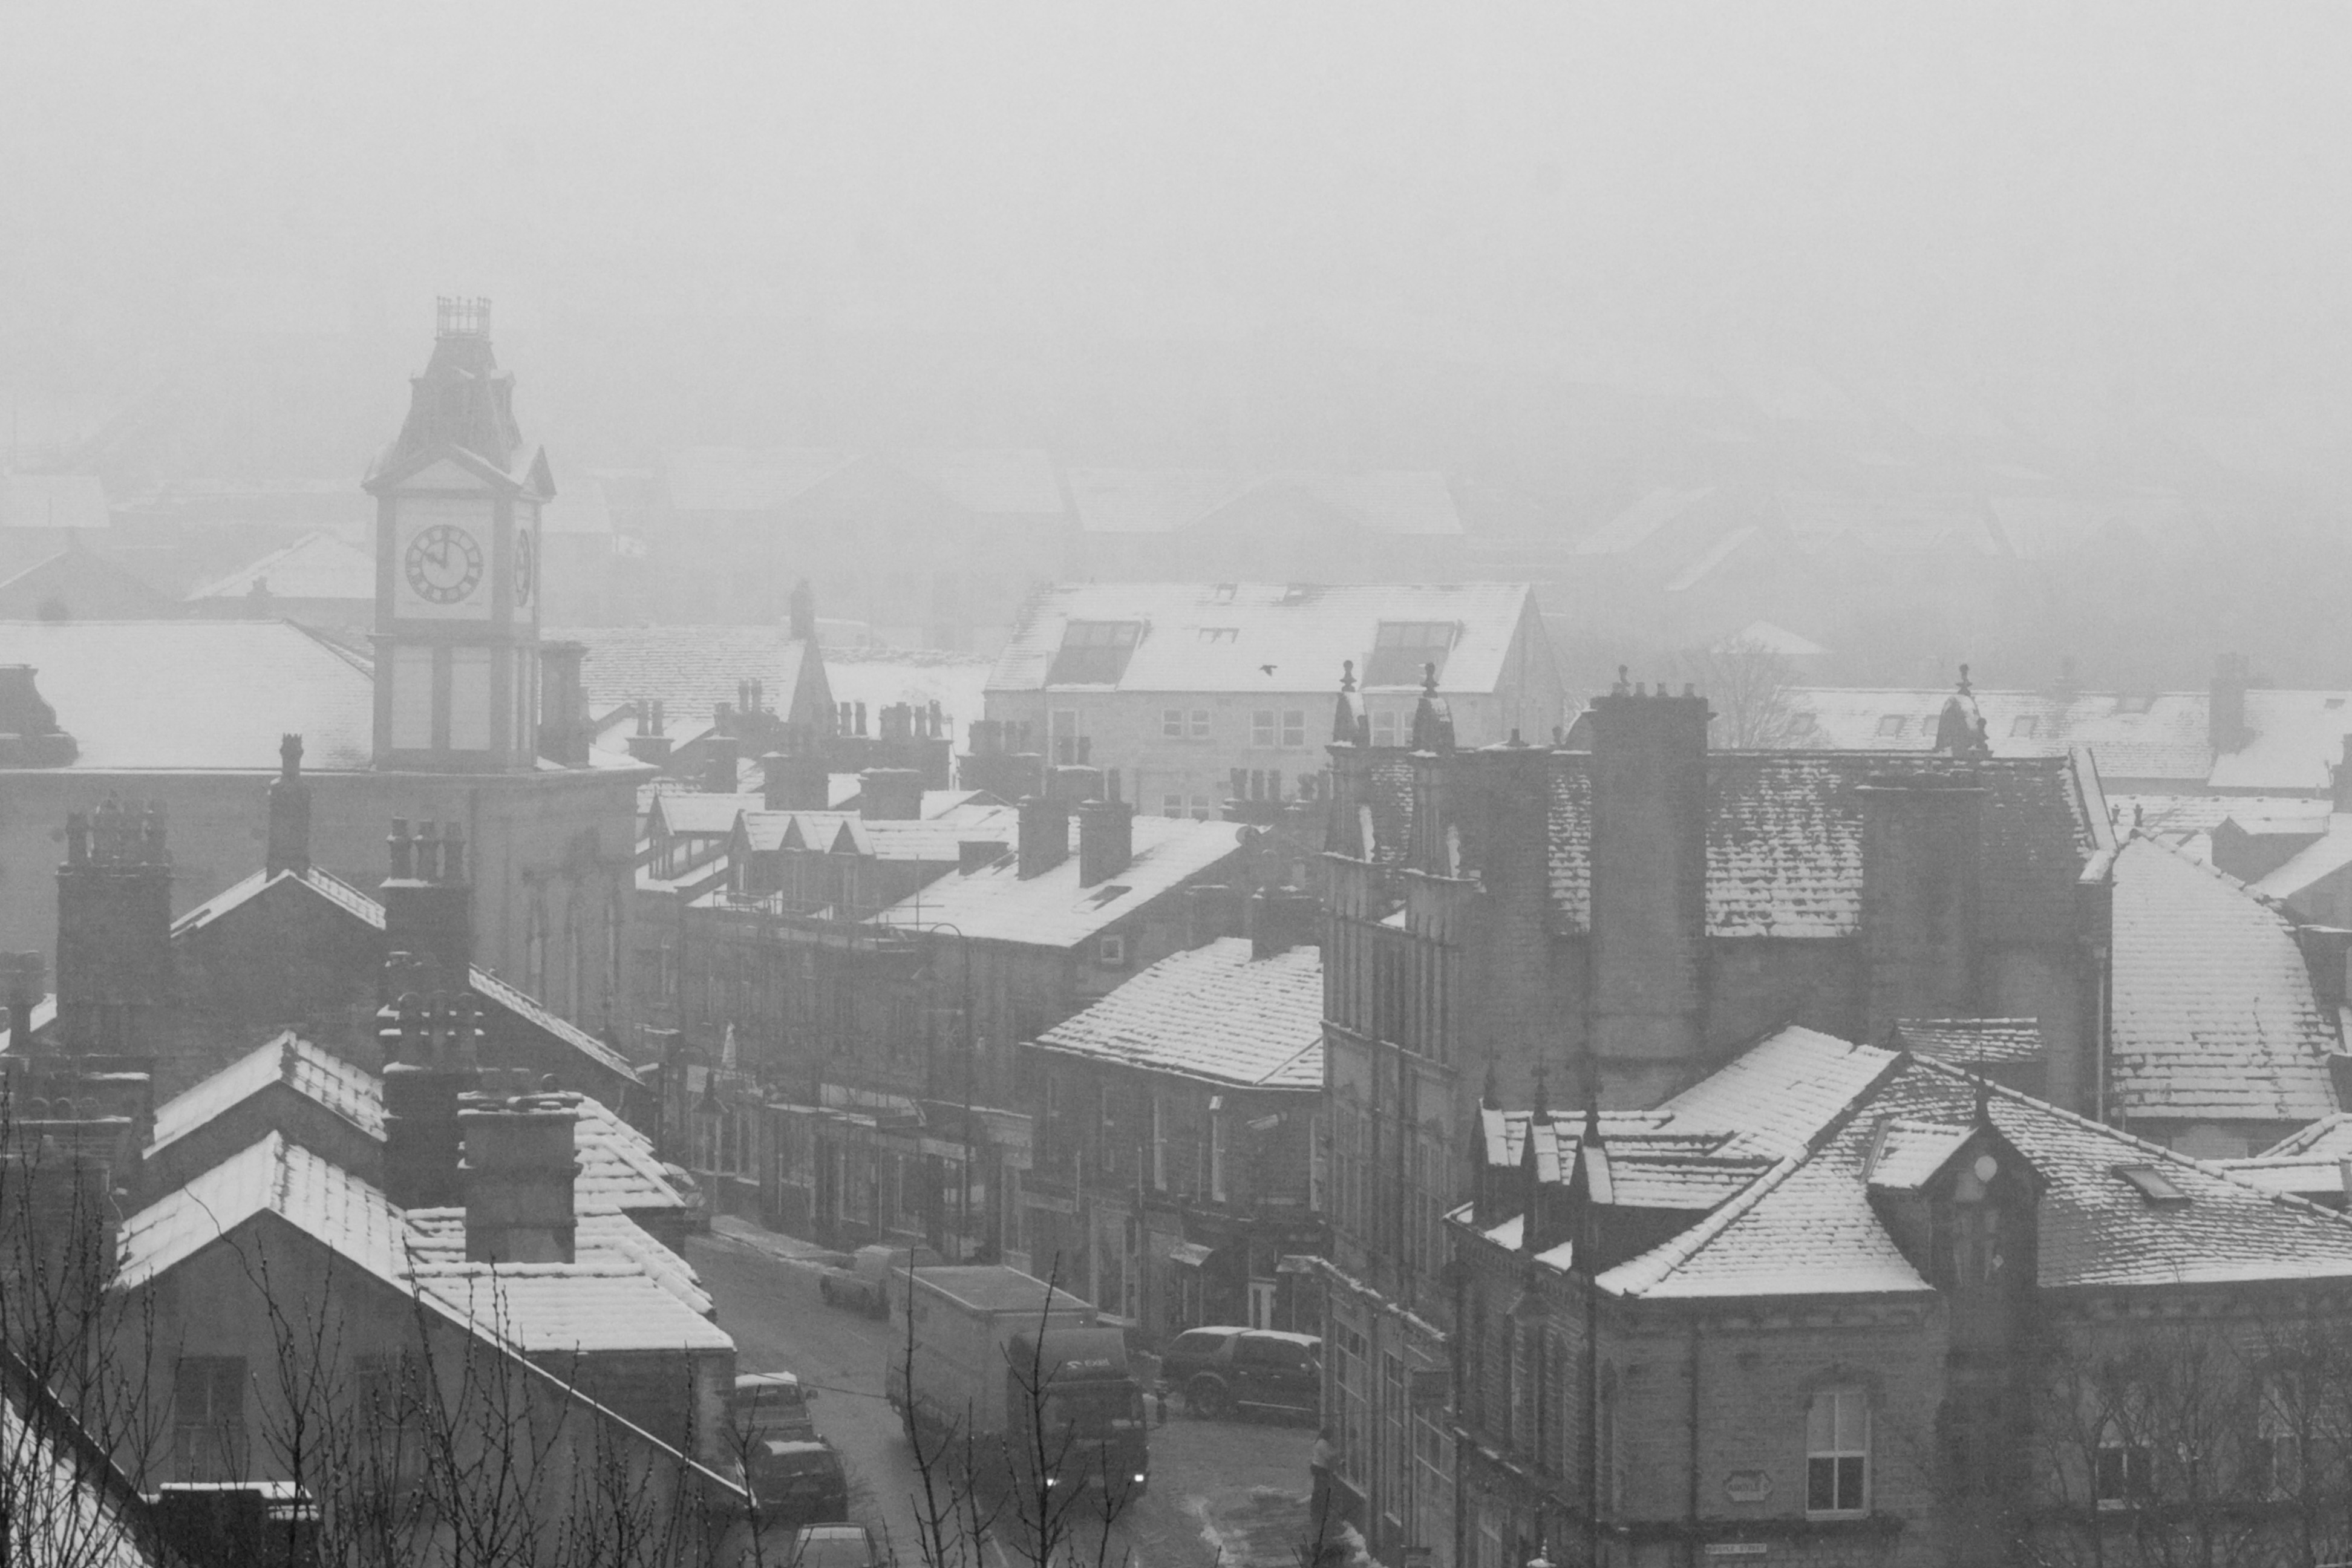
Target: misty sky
2160,188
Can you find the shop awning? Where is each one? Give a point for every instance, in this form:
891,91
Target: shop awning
1191,1254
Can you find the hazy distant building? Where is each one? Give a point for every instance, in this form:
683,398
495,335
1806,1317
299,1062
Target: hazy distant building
1195,692
317,580
1147,524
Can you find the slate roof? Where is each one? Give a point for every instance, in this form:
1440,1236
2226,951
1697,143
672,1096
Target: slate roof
197,695
618,1172
995,903
2295,740
2188,819
1212,1013
932,838
2213,1012
1807,1227
317,565
1965,1041
2314,862
688,670
493,991
1306,634
2329,1138
610,1297
2157,736
351,1092
1784,836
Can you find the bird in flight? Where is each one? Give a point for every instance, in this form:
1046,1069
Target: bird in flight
1267,667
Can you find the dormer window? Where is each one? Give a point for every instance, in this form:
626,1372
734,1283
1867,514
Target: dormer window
1891,726
2024,726
1094,653
1400,649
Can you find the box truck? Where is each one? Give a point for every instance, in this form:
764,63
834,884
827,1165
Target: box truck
1016,1381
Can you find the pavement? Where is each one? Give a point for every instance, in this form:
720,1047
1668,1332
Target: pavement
1224,1494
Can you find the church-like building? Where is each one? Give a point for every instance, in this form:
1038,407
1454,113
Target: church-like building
457,715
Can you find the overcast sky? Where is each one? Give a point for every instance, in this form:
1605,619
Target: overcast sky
2154,194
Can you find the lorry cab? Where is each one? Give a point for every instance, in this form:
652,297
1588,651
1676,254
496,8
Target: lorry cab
1090,1423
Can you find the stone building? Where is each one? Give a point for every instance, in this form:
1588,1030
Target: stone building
1172,1164
1839,1305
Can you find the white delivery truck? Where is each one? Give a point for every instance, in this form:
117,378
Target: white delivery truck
1016,1381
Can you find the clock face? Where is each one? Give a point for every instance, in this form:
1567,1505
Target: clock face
444,564
526,566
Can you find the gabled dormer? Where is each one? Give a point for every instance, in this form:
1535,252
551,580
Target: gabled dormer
1963,1205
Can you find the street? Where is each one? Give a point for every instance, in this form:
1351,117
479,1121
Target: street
1224,1494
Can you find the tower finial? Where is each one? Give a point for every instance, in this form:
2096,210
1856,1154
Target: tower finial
1428,677
1965,688
1347,674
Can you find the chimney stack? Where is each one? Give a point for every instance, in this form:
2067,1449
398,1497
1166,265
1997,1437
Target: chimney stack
520,1161
795,779
1105,839
1921,845
721,753
1648,891
562,704
1044,834
431,1040
890,795
428,904
1282,918
289,812
114,929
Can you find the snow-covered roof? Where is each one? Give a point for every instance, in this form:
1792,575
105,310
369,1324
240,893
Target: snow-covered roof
196,695
2214,1015
271,1176
929,837
317,565
996,903
1967,1042
2158,735
2314,862
1213,1012
351,1092
1806,1224
1265,637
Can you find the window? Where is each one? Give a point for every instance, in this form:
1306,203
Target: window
1113,952
1891,726
1171,805
2152,1185
1094,653
1294,727
1837,1453
2120,1471
2024,725
1800,724
1384,727
1400,649
1261,727
208,1417
1200,724
1171,723
1223,594
1219,633
2278,1443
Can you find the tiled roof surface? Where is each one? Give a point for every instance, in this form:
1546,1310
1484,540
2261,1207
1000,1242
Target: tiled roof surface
1964,1042
316,566
1777,1097
688,669
2295,739
995,903
197,694
1306,634
2313,1176
700,814
935,838
2329,1138
1784,837
2159,737
2314,862
351,1092
492,990
1808,1228
1213,1013
2213,1012
624,1292
2178,817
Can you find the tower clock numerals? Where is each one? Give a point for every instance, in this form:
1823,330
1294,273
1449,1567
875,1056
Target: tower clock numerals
526,566
444,564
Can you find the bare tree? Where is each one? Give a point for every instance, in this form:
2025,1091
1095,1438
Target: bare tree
1751,687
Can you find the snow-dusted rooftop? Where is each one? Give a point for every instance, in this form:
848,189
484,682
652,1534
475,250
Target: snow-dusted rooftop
996,903
1212,1013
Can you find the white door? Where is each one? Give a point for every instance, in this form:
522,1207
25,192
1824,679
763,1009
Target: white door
1261,1309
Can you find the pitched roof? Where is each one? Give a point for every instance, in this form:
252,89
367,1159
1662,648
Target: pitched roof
316,566
995,903
1807,1227
1303,633
351,1092
1784,836
197,694
2313,862
2294,740
2213,1011
1966,1042
273,1175
2143,736
1215,1013
341,895
688,670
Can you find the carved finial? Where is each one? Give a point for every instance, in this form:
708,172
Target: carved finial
1429,678
1348,675
1965,688
289,757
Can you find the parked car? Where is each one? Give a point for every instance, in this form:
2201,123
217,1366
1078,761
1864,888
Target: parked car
769,1404
795,1481
865,1285
836,1546
1226,1370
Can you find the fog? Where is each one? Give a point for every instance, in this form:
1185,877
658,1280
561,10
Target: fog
1346,236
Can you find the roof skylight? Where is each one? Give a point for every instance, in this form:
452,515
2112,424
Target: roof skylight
2152,1184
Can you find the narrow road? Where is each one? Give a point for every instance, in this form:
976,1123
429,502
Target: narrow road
1224,1494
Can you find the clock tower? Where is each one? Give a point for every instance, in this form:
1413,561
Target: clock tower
456,566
